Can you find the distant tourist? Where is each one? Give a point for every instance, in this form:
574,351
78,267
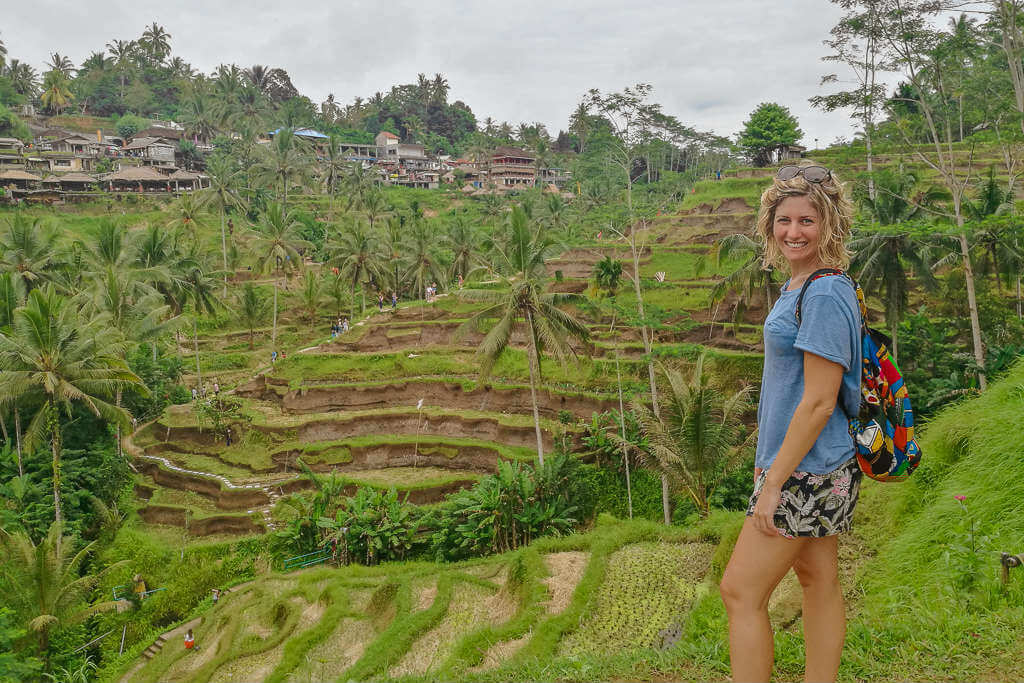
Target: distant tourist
216,388
380,302
227,436
460,280
273,357
394,300
216,595
190,641
344,325
806,475
195,394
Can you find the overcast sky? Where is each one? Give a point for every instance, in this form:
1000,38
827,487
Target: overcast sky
710,61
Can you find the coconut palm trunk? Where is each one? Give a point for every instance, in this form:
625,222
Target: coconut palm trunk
224,252
532,355
195,332
622,425
17,436
54,424
666,505
273,332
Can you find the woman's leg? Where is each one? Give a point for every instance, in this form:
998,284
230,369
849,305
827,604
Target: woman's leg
817,567
757,565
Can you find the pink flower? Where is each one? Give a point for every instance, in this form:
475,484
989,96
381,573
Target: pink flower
961,498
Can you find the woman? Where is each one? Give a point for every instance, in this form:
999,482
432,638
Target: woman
806,478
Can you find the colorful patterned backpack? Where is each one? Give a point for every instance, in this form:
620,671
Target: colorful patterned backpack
883,425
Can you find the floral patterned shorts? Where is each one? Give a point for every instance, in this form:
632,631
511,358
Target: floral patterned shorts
815,505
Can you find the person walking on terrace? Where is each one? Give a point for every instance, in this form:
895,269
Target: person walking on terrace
806,478
380,302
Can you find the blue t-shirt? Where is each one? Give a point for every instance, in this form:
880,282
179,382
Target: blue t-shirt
830,328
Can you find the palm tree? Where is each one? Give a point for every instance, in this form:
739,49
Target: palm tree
28,248
57,93
522,302
46,587
123,53
749,280
252,309
312,296
358,256
374,207
23,78
198,289
198,115
276,243
896,198
698,435
3,55
223,194
53,355
185,214
284,161
156,42
464,241
62,64
422,267
333,169
881,260
12,296
607,277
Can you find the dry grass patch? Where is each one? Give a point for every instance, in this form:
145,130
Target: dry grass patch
471,607
337,652
500,652
424,591
566,569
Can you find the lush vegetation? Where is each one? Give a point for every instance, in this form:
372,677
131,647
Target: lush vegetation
586,357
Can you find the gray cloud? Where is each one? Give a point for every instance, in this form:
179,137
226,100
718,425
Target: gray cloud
710,62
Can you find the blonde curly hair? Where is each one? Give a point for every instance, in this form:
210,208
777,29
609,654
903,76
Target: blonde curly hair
834,210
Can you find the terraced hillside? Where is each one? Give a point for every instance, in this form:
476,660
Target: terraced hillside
559,598
397,400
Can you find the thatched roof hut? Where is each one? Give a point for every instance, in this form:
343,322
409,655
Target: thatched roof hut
18,174
134,174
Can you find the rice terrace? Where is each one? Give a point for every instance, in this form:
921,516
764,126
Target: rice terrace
378,387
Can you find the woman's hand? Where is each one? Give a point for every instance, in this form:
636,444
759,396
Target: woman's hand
764,509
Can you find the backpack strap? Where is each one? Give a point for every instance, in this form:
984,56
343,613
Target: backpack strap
823,272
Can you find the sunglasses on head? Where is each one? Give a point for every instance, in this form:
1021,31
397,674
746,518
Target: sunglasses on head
812,174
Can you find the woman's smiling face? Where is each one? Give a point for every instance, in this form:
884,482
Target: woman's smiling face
797,232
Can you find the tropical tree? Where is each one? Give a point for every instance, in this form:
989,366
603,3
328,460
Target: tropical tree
252,309
464,241
198,289
23,77
357,254
185,213
770,128
156,42
312,296
886,261
892,196
57,93
54,356
60,63
698,435
522,302
284,161
749,280
276,243
123,53
333,169
421,265
28,248
44,584
223,194
374,206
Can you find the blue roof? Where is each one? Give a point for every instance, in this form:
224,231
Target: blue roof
304,132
